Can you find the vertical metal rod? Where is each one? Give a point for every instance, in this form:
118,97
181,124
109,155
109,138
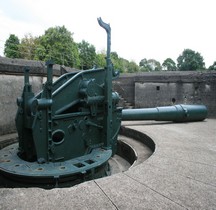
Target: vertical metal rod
26,73
108,86
49,72
49,108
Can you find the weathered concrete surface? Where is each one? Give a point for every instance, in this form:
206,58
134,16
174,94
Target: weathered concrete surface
181,174
16,66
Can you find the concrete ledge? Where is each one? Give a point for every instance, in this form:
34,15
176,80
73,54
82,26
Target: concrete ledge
181,174
16,67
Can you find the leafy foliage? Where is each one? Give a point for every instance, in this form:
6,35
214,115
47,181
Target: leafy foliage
117,62
124,65
169,65
144,65
120,64
11,49
28,47
213,66
100,60
87,55
57,44
150,65
190,60
132,67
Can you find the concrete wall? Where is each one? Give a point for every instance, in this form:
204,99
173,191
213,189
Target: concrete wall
125,86
160,94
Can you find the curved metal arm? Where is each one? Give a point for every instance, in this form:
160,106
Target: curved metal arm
107,27
104,25
108,30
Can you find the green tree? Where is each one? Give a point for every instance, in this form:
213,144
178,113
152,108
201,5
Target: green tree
190,60
144,65
11,48
154,65
125,65
87,54
100,60
28,47
213,66
169,65
150,65
132,67
40,52
117,62
57,44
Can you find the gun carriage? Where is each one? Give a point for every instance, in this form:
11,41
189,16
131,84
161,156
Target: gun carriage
68,131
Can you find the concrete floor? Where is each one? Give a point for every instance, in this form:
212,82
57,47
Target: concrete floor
181,174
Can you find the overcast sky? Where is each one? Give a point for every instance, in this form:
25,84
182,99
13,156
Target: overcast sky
155,29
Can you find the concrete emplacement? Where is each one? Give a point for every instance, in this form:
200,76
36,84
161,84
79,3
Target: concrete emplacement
181,174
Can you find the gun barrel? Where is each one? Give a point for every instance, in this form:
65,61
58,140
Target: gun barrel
177,113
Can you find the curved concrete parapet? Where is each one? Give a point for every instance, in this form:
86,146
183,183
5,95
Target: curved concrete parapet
181,174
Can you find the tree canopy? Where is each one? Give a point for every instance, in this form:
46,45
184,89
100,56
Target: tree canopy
169,65
117,62
213,66
87,55
190,60
100,60
28,47
132,67
11,49
57,44
150,65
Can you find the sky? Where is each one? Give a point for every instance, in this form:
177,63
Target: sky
151,29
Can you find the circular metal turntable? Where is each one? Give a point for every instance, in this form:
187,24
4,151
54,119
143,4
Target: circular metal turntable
20,173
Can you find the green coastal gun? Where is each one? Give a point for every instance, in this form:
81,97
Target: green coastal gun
68,131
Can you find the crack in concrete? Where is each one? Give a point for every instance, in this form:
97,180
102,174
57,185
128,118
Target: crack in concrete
200,181
154,190
106,194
